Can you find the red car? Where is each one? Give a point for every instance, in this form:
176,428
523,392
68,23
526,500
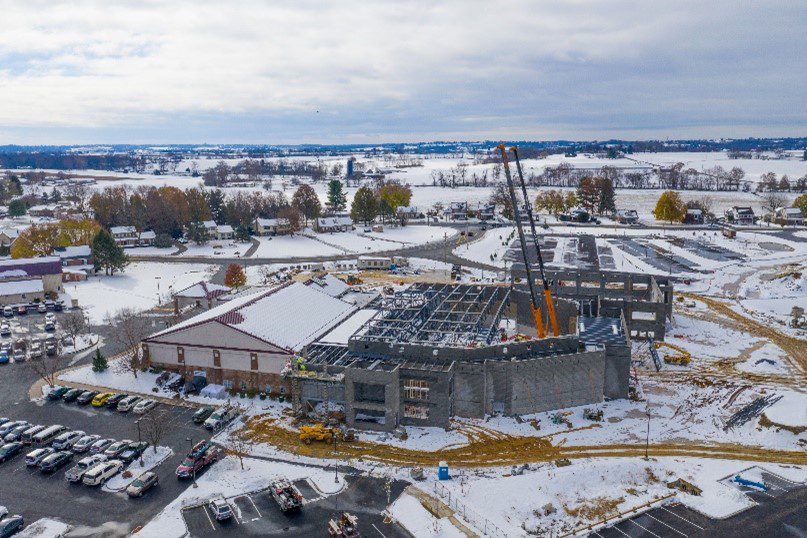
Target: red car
200,456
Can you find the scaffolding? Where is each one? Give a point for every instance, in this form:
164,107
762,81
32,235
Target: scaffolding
439,314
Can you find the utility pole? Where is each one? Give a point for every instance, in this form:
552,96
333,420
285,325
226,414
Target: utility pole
137,422
193,475
647,439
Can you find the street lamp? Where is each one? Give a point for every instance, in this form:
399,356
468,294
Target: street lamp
137,422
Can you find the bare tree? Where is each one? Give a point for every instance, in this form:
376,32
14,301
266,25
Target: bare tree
130,327
48,367
74,324
239,445
154,425
771,201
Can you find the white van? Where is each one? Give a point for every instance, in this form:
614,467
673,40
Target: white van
128,403
48,434
102,472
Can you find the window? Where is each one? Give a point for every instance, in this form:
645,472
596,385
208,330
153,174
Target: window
181,355
416,411
416,389
243,385
268,389
228,384
253,361
217,358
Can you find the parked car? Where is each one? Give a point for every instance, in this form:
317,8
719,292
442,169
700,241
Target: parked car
50,326
201,414
101,399
84,444
133,451
10,526
9,451
10,425
35,457
71,395
113,450
66,440
48,434
4,420
16,433
102,472
5,329
22,310
50,316
8,312
41,308
126,405
113,401
86,397
142,483
58,306
220,508
5,358
76,472
220,418
27,436
55,461
3,511
100,446
56,393
144,406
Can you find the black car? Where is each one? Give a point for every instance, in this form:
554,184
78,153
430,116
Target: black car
10,525
58,306
86,397
201,414
72,394
112,401
55,461
9,451
133,451
57,393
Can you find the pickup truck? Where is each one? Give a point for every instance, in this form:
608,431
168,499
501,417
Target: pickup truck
200,456
286,495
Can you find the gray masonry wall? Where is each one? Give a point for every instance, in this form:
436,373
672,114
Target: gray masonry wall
617,371
391,382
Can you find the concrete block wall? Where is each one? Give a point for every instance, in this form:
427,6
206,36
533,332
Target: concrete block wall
438,402
617,371
391,382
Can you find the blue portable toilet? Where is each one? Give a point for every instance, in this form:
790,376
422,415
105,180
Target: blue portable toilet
442,471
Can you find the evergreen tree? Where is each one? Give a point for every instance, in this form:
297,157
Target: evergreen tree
365,205
198,233
17,208
607,201
99,362
107,254
337,201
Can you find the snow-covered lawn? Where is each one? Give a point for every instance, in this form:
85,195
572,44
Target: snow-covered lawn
293,246
151,459
410,513
44,528
212,249
141,286
490,249
113,378
791,410
226,478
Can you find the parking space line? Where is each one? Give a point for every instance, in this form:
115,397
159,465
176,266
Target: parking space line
256,508
620,531
598,534
208,517
378,531
645,528
668,526
682,518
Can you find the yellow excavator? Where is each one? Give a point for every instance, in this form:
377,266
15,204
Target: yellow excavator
537,316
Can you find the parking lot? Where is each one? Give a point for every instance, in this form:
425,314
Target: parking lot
257,514
27,329
783,504
94,511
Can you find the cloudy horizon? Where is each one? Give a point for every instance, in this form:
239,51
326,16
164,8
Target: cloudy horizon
359,72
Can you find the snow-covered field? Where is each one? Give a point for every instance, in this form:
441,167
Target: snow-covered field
141,286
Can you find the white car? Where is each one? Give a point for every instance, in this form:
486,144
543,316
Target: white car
220,418
143,406
66,440
128,403
102,472
50,316
3,511
76,473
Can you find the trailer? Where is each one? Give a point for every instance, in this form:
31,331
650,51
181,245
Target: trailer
286,495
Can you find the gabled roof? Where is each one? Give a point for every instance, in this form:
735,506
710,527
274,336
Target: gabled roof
272,222
202,289
224,229
334,221
17,287
116,230
79,251
289,317
327,284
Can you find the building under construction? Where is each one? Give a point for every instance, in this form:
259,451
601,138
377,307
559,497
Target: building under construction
433,351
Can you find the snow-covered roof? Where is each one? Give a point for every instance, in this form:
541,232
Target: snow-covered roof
272,222
120,230
202,289
326,222
342,332
10,232
743,210
290,316
793,211
694,211
17,287
79,251
209,224
148,234
225,229
328,284
21,267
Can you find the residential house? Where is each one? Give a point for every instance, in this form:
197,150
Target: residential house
278,226
791,216
333,224
409,212
224,232
456,211
125,236
42,211
77,262
627,216
146,238
741,215
693,216
8,236
201,295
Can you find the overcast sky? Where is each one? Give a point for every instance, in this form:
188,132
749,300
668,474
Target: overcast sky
383,71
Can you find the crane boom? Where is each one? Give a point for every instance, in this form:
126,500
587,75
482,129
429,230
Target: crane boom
536,310
550,303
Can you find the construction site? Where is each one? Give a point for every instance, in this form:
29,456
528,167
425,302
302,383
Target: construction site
544,340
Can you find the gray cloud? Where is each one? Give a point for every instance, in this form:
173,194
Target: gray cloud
349,71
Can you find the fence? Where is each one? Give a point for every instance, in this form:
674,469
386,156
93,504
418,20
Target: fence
482,524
